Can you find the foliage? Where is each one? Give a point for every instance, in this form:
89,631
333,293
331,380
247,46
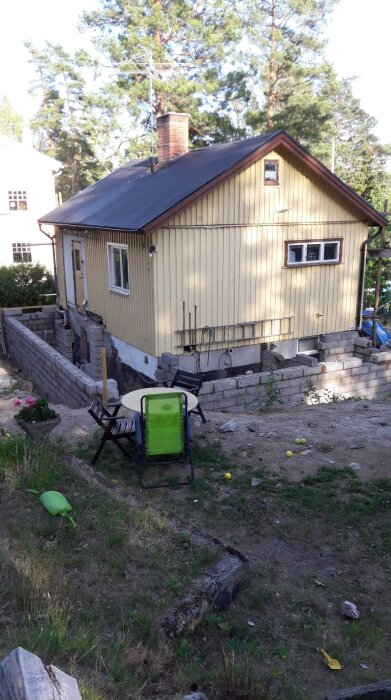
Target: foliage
34,410
180,44
71,124
238,69
24,285
286,47
272,392
240,680
11,123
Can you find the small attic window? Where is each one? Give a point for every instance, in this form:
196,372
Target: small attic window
270,172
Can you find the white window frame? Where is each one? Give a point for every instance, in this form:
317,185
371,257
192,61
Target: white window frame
19,198
22,249
112,286
321,260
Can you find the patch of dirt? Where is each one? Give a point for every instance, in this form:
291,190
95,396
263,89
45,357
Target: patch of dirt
356,433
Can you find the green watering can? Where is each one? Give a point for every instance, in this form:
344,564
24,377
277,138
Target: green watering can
55,503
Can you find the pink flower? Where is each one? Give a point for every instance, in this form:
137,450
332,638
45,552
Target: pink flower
17,402
30,402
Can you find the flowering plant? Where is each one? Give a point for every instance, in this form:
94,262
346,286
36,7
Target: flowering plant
34,410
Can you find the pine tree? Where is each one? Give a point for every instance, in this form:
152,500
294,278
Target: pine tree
289,72
70,124
180,45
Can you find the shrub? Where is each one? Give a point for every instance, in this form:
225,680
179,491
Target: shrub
24,285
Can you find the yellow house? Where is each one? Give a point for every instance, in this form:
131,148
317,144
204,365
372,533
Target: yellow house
213,255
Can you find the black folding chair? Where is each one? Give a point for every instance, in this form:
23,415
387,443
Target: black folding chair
191,382
115,428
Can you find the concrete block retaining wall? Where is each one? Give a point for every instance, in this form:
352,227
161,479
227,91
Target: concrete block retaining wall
326,381
53,375
356,369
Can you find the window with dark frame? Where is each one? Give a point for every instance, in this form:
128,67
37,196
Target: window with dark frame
21,253
270,172
313,253
17,200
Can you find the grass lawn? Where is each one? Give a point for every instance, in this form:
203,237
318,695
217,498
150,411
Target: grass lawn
88,598
312,544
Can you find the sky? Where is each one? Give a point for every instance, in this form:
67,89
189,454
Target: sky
358,36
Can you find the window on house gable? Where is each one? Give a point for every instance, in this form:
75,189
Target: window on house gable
270,172
313,253
17,200
118,268
21,253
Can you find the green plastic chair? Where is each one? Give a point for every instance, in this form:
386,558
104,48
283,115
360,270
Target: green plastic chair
163,434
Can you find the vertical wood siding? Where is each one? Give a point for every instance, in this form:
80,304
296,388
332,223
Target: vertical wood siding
130,318
225,255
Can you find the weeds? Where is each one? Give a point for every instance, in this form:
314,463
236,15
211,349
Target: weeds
272,393
240,680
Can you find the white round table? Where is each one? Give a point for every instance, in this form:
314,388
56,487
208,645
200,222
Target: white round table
132,400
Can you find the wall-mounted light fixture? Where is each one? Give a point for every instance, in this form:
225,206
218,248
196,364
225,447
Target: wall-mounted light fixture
152,250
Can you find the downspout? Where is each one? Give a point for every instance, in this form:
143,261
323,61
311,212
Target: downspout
361,278
52,240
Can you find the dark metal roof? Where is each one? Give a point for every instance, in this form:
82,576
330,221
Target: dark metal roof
131,197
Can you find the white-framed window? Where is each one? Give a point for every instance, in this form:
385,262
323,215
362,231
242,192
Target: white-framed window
118,267
313,252
21,253
17,200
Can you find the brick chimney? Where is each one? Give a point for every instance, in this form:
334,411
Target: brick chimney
172,135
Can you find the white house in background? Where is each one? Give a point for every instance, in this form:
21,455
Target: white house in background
27,188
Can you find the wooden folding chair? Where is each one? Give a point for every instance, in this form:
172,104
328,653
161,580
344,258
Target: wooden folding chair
191,382
115,428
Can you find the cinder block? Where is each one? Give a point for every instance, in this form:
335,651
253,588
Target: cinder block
333,366
312,371
248,380
295,382
264,377
231,393
363,342
380,357
224,384
352,362
342,335
337,351
363,369
207,388
322,345
171,359
308,360
292,373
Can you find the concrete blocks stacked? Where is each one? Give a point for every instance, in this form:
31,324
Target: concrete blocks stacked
51,373
334,380
63,340
95,336
167,367
336,345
